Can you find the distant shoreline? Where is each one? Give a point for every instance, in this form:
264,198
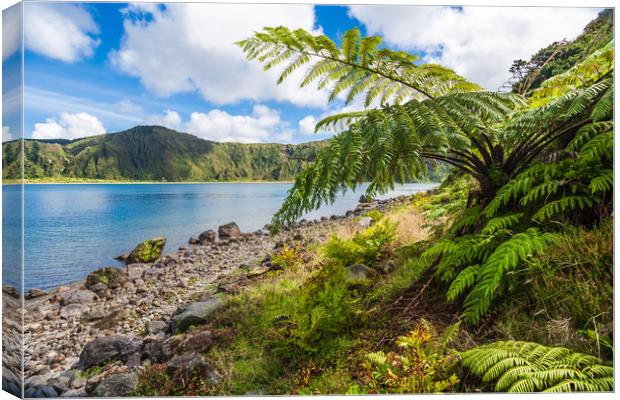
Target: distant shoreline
96,182
101,182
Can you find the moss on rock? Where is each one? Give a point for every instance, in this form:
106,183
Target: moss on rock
147,251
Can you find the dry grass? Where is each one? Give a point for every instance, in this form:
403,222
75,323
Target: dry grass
410,227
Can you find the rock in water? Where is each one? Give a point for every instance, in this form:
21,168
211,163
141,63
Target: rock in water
207,236
147,251
229,231
112,278
10,290
194,314
117,385
364,199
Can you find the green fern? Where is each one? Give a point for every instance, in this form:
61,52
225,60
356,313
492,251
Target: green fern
530,367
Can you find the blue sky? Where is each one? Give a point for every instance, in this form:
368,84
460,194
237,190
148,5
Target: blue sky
96,68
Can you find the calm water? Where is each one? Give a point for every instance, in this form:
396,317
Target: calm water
71,230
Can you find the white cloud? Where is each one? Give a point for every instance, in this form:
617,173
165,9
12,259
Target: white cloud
190,47
69,126
478,42
11,30
307,124
170,119
7,134
263,125
62,31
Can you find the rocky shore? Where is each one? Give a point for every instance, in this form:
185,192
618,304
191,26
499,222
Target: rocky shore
90,338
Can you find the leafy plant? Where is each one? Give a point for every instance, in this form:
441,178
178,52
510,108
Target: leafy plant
365,247
530,367
426,113
287,257
323,308
423,364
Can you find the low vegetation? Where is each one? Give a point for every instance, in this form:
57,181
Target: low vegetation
502,279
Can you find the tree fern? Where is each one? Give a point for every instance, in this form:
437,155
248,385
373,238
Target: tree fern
530,367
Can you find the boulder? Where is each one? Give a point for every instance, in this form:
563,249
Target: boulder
10,290
106,348
360,273
194,314
193,240
40,392
198,342
229,231
188,363
153,348
77,297
364,199
208,236
34,293
118,385
112,278
156,326
147,251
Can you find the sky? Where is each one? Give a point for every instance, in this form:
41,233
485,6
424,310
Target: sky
95,68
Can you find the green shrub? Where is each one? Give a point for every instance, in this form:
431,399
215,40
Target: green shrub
365,247
324,308
423,365
288,257
374,215
530,367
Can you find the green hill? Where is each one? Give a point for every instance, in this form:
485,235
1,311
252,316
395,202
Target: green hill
155,153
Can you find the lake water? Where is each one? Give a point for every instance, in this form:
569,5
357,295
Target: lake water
71,230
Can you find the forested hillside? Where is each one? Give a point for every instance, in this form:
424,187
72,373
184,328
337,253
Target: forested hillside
154,153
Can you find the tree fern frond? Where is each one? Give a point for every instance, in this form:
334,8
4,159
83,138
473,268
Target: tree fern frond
530,367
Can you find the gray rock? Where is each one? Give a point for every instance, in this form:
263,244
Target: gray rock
117,385
156,326
73,310
110,320
135,271
77,297
106,348
153,348
10,290
81,393
193,240
34,293
186,363
111,277
364,199
36,380
229,231
194,314
360,272
208,236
